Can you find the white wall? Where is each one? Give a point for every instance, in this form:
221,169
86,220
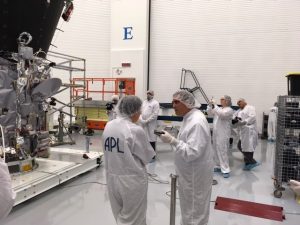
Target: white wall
130,13
86,35
240,48
96,33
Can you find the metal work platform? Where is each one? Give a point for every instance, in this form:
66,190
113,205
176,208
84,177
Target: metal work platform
63,164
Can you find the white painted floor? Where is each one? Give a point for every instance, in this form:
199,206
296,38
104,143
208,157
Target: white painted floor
84,200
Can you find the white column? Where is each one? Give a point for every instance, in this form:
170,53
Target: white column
129,41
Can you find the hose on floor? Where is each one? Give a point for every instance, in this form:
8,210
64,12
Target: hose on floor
168,193
90,182
152,178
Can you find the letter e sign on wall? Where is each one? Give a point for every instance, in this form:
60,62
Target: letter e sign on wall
127,33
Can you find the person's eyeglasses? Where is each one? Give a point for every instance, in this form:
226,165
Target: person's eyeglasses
175,102
222,99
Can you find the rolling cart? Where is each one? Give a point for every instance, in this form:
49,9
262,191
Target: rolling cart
287,155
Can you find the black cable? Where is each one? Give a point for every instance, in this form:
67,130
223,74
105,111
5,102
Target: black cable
90,182
152,174
153,180
169,195
297,213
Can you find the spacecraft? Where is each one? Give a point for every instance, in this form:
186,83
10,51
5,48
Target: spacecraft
27,28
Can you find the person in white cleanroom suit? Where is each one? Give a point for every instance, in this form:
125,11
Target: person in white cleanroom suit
272,123
148,118
193,160
295,186
126,152
7,195
247,129
112,112
221,133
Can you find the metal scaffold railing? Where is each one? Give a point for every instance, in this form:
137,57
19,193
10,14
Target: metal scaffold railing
103,87
72,65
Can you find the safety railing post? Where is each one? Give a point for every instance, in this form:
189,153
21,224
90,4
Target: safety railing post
173,199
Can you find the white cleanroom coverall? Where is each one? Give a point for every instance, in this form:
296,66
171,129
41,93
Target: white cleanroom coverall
248,132
7,195
112,114
194,167
150,110
295,186
272,123
127,151
221,135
